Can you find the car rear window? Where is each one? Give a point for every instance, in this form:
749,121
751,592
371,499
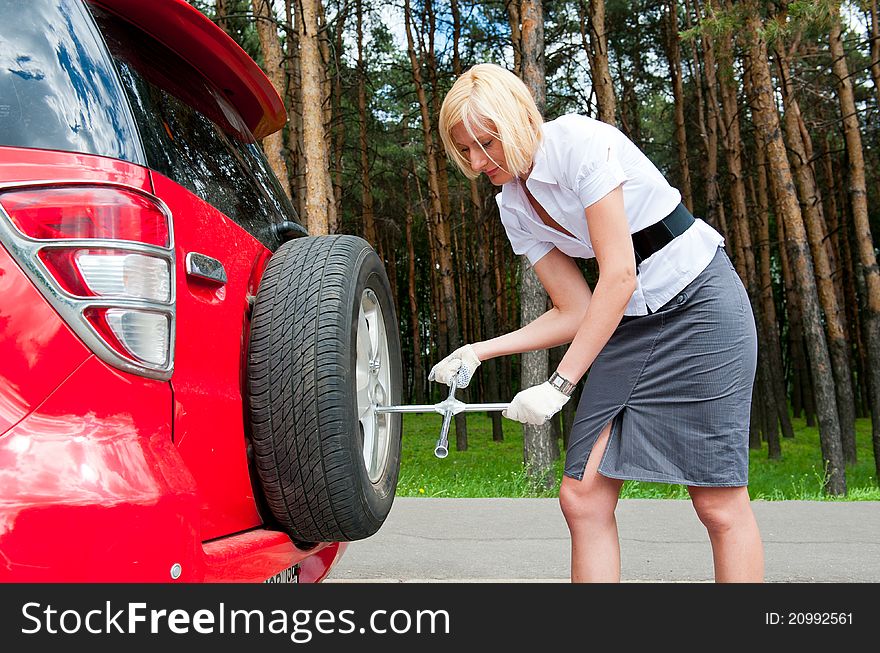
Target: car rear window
58,88
192,134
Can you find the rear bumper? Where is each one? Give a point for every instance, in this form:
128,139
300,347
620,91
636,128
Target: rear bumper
92,488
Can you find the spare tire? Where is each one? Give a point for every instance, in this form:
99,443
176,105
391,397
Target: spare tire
324,351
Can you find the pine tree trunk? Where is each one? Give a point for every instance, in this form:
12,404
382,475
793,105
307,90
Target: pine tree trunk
515,21
768,303
829,221
875,49
745,258
220,15
673,46
338,127
489,377
754,430
267,31
833,221
368,221
437,314
456,38
630,112
441,233
596,47
811,203
426,54
864,241
460,248
696,74
487,307
296,162
327,106
418,367
537,440
319,202
862,290
847,278
501,266
391,268
714,207
853,285
766,120
770,423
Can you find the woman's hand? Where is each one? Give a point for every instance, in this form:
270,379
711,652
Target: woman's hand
536,405
462,362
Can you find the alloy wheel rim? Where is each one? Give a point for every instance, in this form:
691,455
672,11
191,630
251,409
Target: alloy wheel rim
373,380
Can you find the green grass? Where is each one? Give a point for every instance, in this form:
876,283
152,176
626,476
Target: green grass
495,469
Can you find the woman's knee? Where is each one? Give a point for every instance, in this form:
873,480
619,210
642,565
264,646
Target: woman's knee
591,500
719,509
594,497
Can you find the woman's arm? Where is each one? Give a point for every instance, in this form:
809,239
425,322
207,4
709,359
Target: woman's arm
570,293
612,243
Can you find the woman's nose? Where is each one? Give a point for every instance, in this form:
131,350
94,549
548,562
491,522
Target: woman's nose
478,159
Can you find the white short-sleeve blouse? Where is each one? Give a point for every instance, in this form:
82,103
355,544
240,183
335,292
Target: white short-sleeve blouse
579,161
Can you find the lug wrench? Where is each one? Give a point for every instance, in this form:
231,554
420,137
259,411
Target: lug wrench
448,407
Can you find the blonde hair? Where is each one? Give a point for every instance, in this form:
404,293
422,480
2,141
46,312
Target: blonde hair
488,95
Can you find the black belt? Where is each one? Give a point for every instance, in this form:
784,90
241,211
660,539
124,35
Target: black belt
651,240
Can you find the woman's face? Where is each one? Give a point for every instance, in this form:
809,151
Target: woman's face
489,158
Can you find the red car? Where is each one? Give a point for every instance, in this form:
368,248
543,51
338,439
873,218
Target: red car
188,381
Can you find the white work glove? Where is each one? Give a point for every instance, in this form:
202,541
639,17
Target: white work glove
536,405
463,362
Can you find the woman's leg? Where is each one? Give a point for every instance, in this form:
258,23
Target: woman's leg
736,543
588,506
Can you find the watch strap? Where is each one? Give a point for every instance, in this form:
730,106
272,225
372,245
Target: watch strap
562,384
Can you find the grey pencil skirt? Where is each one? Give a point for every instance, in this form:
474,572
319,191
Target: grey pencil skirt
676,385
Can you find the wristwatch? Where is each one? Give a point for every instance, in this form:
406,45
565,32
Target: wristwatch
562,384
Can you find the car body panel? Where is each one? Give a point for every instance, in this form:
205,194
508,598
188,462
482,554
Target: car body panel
141,472
37,349
96,494
21,164
210,346
104,496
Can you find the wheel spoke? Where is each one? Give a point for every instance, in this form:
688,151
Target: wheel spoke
380,446
381,388
369,425
364,341
362,370
364,405
376,331
385,370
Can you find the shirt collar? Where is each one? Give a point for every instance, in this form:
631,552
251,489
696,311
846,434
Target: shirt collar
511,195
541,167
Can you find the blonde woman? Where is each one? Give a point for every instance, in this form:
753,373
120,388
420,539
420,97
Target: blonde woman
667,333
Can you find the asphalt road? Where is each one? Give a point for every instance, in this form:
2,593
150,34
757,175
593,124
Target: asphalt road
526,540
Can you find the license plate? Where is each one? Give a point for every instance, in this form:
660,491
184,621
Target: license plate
289,575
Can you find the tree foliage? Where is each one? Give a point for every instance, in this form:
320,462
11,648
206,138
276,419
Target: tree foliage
716,49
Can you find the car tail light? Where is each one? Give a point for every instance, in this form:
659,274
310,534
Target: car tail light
78,212
103,255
